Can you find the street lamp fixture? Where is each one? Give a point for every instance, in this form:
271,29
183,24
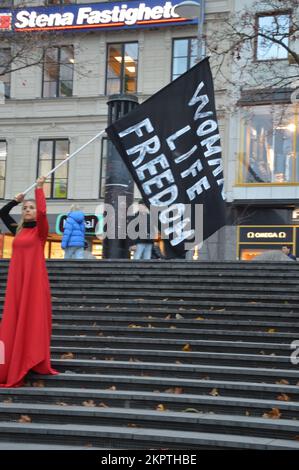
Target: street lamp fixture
188,9
191,9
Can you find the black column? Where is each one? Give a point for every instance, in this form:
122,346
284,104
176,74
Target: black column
119,185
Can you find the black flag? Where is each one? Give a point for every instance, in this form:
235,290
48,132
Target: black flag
171,145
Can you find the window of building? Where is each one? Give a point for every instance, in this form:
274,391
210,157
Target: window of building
104,151
58,72
50,154
3,157
272,26
121,70
269,145
5,62
184,54
6,4
59,2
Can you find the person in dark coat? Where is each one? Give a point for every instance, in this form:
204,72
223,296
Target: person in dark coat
74,234
144,243
287,251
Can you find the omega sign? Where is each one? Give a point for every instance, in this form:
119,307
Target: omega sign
269,234
266,235
105,15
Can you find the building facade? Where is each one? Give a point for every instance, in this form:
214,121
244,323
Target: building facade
52,108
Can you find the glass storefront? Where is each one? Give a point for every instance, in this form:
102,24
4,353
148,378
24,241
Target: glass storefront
53,248
253,240
269,145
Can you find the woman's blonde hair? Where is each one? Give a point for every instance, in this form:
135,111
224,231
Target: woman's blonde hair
75,207
21,221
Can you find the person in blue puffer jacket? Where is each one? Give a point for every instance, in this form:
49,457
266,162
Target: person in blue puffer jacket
74,234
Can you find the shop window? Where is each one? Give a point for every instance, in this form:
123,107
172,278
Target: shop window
5,63
50,154
3,157
184,55
277,27
97,249
269,150
121,70
53,250
7,246
58,72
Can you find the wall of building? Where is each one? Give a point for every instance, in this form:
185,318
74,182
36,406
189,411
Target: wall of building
26,117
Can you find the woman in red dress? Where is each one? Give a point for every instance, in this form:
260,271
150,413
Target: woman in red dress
25,330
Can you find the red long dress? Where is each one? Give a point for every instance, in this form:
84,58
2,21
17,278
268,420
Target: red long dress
26,323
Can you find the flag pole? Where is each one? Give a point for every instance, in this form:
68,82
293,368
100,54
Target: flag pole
67,159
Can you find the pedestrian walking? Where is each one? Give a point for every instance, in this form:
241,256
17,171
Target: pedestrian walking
73,239
144,242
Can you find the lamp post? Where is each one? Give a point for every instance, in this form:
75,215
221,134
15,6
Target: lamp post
192,9
119,185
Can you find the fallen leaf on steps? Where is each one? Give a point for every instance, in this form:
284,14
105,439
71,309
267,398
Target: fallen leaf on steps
283,397
273,414
214,392
187,347
282,382
68,355
175,390
24,419
8,400
89,403
160,407
38,384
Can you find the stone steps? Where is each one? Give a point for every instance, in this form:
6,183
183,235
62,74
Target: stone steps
126,382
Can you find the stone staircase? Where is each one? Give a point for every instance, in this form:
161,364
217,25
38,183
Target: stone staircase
163,355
